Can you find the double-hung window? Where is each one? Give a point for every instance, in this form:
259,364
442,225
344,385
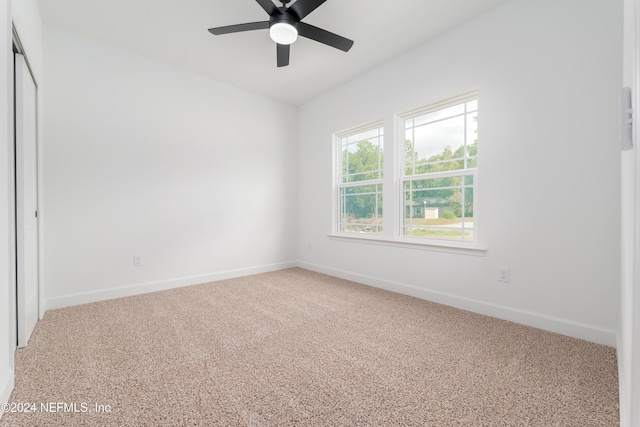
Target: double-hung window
359,180
440,147
431,177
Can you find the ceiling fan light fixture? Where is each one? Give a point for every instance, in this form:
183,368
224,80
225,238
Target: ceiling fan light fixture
283,33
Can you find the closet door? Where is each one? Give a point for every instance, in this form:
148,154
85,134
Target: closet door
26,200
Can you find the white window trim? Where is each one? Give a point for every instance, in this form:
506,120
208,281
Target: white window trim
337,167
447,246
392,221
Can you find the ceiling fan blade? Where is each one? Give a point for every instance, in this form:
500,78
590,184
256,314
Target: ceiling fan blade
324,36
302,8
239,28
283,54
268,6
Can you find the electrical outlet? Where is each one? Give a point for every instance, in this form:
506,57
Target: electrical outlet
503,274
137,260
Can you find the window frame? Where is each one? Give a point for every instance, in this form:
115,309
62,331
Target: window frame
402,177
392,183
338,183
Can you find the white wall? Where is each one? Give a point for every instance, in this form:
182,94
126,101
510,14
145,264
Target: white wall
549,74
146,159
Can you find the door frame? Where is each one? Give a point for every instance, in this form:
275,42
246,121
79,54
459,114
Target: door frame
629,334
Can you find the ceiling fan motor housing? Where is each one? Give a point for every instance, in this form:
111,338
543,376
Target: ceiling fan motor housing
283,27
283,17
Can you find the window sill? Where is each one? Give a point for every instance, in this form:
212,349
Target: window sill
408,243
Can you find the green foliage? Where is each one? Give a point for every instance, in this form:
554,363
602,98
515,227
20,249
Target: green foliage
362,202
362,165
441,189
447,160
366,162
448,215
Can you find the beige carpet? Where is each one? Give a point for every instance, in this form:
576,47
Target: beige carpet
300,348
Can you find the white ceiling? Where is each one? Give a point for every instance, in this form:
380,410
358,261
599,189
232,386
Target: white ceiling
175,31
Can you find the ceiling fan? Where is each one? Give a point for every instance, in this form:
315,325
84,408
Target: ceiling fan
284,27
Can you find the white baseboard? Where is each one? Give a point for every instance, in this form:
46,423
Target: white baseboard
143,288
6,387
537,320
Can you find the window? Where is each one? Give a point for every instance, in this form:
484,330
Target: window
430,183
360,164
440,146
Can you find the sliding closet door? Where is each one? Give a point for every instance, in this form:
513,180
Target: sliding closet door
26,201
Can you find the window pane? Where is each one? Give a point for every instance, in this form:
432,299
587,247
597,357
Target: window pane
440,140
472,128
345,164
443,140
362,156
408,123
438,115
439,208
472,140
409,152
363,136
361,209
